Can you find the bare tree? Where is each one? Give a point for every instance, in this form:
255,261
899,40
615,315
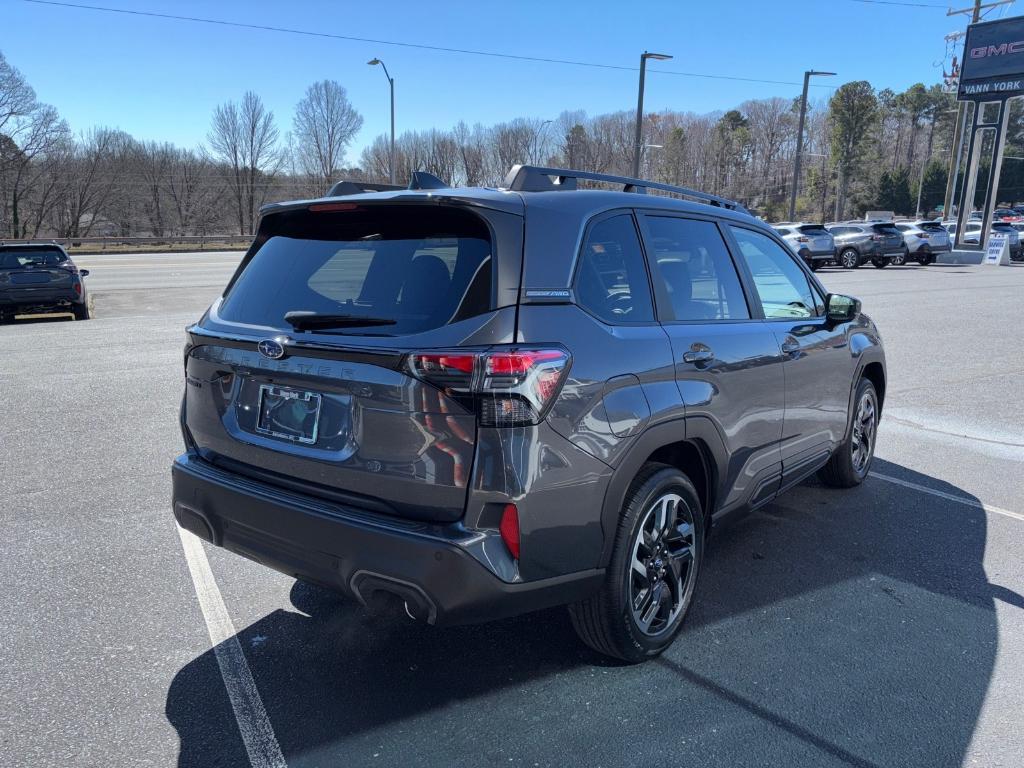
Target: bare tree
244,137
324,125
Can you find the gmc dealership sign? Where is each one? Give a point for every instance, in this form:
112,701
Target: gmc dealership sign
993,61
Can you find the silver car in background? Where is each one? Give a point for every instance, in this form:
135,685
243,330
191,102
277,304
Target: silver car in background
972,234
811,242
923,239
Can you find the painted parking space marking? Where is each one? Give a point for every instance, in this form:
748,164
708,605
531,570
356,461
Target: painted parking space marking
253,723
951,497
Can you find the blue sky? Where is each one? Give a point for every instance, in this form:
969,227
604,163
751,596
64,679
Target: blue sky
160,79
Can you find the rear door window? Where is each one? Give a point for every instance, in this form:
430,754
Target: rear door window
694,265
611,279
421,267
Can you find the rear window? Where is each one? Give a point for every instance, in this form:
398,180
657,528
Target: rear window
782,231
1002,225
931,226
813,229
14,258
419,266
885,229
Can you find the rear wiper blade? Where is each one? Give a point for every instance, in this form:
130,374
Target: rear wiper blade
304,320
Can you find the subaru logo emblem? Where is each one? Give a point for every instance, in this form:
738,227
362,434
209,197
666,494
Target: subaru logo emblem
271,348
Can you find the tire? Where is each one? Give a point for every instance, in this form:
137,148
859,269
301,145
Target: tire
924,257
848,258
81,311
851,462
661,528
880,263
900,258
814,265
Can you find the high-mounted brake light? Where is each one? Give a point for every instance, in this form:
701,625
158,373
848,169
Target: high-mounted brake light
506,386
325,207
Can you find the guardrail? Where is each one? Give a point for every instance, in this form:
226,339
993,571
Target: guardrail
101,244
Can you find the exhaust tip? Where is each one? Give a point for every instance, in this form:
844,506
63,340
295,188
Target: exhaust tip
369,587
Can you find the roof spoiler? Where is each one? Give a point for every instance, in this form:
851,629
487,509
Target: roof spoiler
419,180
533,178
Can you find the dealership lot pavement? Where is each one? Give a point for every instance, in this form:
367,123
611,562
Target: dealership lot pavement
878,627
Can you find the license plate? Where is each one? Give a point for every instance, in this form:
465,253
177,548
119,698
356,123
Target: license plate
288,414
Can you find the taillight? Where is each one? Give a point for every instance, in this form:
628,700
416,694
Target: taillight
506,386
509,529
803,239
78,288
878,237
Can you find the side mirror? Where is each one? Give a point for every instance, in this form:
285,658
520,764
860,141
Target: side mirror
840,308
83,272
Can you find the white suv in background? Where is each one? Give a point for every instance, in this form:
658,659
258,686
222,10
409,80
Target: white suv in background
811,242
922,240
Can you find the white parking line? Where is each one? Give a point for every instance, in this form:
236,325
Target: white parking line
951,497
253,723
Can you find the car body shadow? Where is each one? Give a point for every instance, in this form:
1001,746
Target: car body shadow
833,628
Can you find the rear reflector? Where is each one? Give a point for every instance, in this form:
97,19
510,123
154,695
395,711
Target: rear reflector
509,529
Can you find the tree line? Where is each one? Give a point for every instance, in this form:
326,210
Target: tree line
864,149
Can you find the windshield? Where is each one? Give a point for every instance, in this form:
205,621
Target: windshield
421,267
931,226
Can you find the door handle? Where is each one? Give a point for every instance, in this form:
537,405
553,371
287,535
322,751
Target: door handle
698,353
790,346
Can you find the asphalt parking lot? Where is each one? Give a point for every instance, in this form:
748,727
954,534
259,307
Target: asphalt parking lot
882,626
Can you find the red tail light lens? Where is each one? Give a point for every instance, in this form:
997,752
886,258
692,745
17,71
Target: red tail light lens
509,529
507,387
803,239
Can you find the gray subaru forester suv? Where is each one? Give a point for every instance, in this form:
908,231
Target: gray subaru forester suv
473,403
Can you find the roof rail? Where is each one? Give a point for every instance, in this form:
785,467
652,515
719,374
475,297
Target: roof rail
419,180
533,178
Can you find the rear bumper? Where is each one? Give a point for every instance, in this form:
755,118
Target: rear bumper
432,568
13,301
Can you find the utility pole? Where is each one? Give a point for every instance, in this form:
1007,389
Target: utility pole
800,141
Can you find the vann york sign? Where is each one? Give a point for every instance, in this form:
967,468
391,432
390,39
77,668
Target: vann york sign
993,61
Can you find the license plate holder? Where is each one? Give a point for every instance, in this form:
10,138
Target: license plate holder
287,413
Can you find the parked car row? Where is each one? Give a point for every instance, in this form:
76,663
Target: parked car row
850,244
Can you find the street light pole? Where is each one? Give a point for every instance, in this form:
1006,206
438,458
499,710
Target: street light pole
637,143
800,141
391,154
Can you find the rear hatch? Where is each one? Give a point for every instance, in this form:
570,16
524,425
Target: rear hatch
358,396
891,238
36,274
819,238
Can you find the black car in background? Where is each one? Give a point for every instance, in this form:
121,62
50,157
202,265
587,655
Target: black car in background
39,278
